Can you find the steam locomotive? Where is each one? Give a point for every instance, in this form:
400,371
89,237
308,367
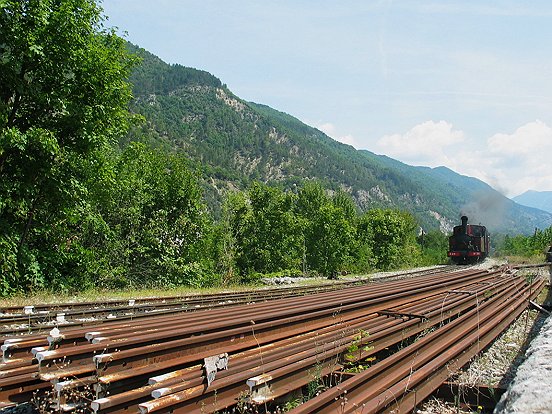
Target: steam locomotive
469,243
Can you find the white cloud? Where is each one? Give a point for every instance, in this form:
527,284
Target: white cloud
522,159
511,163
425,144
330,130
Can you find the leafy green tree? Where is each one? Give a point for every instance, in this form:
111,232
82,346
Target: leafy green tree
390,236
520,245
63,96
267,232
434,246
331,239
328,228
158,226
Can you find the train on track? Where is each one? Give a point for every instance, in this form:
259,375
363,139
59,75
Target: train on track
469,243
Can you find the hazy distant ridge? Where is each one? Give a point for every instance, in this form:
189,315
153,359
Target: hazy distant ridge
537,199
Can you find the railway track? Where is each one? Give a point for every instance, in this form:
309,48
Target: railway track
43,317
265,349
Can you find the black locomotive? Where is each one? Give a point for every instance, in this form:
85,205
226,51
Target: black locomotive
469,243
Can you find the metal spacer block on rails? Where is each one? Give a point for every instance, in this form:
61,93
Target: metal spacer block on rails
91,335
38,349
55,336
101,359
259,388
214,364
42,355
96,404
258,380
160,392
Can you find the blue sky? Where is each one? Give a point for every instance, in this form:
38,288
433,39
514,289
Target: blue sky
465,84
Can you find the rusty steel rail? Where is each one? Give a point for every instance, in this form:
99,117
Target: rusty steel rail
79,371
105,405
16,367
267,316
43,317
400,382
71,337
129,367
298,367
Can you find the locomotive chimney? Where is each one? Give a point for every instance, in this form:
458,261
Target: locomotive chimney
464,224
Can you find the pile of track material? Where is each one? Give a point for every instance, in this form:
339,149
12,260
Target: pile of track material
16,319
217,359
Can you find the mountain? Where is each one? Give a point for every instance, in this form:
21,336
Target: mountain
234,142
537,199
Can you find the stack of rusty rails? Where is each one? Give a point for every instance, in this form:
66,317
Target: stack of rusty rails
83,370
402,381
300,368
130,362
77,362
190,300
19,367
43,317
301,363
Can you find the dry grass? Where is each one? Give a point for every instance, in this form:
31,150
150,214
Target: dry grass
104,295
436,406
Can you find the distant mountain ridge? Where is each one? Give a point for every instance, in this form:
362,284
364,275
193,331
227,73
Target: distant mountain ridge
536,199
235,142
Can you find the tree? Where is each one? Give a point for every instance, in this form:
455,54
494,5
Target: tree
328,227
157,226
390,236
332,236
434,245
266,230
63,97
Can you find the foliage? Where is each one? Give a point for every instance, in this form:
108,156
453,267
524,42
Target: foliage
434,247
389,237
265,230
520,245
273,231
358,345
157,226
63,96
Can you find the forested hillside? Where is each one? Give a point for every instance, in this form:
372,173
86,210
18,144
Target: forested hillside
235,142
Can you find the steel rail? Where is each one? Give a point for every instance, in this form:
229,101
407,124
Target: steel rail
351,307
101,405
176,399
18,345
440,370
353,395
75,310
78,371
354,298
